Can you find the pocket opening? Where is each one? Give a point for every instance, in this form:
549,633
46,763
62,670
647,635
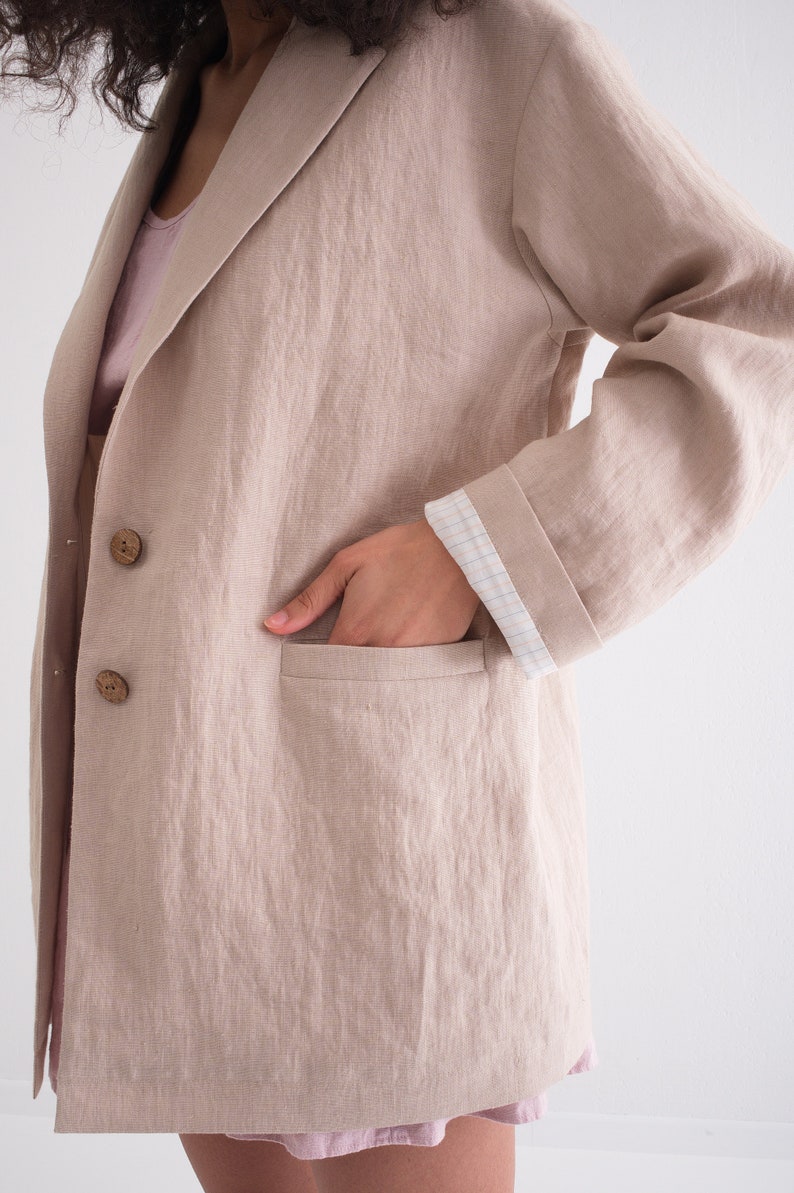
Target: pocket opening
322,660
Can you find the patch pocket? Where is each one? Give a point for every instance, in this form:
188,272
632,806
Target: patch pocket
322,660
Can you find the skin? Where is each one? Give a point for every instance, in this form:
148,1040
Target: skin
476,1155
399,587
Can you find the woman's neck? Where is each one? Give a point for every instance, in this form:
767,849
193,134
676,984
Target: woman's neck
249,38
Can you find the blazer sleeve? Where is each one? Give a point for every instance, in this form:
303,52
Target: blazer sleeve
630,232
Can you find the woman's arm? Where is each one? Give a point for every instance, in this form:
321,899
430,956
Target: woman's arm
630,232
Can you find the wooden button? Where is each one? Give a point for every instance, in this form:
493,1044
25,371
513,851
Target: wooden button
125,546
112,686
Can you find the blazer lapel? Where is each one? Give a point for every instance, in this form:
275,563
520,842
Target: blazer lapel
302,92
67,393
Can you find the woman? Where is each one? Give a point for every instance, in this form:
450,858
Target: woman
304,746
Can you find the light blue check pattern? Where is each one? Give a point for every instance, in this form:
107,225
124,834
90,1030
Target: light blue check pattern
457,523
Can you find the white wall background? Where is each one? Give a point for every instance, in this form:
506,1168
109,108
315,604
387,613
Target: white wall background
687,719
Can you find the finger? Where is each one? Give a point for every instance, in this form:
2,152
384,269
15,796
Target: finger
313,600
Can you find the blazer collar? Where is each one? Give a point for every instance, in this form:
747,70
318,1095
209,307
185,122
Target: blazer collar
302,92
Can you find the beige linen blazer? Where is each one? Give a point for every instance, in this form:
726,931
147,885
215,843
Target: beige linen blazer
322,887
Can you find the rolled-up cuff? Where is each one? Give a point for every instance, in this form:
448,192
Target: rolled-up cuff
457,523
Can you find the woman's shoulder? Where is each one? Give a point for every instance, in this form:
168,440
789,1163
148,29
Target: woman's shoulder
528,19
504,34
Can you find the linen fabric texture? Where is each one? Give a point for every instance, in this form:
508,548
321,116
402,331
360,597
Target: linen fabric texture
313,887
148,259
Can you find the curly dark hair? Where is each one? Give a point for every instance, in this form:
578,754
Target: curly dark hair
53,40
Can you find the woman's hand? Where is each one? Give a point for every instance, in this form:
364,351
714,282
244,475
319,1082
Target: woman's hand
400,587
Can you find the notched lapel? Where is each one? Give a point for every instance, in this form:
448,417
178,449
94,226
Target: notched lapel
305,88
303,91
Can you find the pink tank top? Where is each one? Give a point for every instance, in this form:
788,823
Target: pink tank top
143,272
